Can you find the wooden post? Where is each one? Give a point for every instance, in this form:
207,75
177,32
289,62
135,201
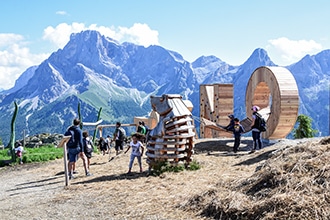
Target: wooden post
63,142
66,173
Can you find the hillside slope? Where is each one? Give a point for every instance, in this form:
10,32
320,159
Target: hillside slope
288,179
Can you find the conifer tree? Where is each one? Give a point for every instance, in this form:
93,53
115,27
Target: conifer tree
304,129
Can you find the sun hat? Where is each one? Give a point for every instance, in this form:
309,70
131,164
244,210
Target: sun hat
255,108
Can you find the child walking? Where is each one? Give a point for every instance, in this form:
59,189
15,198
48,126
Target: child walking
88,148
19,152
137,151
238,130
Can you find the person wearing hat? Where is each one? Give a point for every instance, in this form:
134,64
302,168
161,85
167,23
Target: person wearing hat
230,126
255,131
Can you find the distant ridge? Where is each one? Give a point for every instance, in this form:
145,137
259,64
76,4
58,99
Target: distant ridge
100,72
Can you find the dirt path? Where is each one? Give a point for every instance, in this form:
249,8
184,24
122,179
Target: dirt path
36,191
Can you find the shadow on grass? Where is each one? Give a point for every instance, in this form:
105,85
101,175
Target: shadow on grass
36,184
39,181
125,176
224,148
225,145
259,157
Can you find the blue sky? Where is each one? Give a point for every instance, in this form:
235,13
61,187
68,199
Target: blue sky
30,30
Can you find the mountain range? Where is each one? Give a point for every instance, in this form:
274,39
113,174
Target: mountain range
97,71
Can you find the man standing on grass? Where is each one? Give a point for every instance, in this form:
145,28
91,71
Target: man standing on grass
75,147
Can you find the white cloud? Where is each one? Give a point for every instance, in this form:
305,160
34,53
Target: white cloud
60,35
293,50
61,13
140,34
15,58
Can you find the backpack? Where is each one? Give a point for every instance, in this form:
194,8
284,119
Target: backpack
71,143
143,130
260,123
122,134
89,146
147,130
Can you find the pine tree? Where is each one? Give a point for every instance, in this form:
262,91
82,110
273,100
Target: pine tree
304,129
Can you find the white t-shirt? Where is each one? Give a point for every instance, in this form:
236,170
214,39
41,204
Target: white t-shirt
136,148
108,141
19,148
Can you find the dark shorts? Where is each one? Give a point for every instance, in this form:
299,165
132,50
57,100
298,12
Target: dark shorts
73,154
88,155
119,145
104,147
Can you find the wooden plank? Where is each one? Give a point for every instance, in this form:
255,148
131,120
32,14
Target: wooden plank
179,136
166,149
181,128
168,142
166,156
178,122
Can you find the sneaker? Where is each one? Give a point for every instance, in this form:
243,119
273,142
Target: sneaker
71,177
252,151
75,172
89,174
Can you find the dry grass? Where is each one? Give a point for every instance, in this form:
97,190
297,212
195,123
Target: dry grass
288,180
292,184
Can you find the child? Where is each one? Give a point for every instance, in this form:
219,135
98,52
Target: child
88,147
137,151
238,130
19,152
103,145
108,143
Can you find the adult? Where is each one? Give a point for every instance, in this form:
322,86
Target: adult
119,137
75,147
255,131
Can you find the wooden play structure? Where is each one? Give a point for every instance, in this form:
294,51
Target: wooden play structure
273,89
172,139
216,103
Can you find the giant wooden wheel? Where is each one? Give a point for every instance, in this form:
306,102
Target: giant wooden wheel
275,91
